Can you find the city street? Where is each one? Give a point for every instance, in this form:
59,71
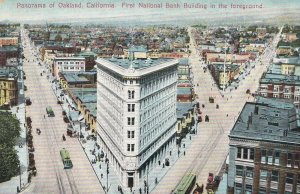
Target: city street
51,176
210,147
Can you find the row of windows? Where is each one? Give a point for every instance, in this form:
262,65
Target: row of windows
156,144
245,153
156,131
155,85
158,96
110,82
272,157
72,68
266,175
70,62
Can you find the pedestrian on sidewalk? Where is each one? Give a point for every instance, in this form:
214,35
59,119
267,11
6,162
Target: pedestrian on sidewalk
184,153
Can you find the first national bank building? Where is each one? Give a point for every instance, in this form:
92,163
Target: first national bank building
136,114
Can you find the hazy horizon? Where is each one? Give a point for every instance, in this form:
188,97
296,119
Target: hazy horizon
282,9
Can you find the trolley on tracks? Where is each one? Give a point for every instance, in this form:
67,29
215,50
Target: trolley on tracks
186,184
65,157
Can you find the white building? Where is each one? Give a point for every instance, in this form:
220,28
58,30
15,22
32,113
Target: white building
68,64
136,114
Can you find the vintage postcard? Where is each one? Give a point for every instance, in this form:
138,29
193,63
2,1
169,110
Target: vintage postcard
150,96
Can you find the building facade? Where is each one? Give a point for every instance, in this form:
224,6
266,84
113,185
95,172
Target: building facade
8,86
264,154
280,86
136,114
68,64
7,41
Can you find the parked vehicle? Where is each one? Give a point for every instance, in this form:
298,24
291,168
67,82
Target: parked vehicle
212,183
28,101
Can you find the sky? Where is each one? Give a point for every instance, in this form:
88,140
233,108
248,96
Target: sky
10,11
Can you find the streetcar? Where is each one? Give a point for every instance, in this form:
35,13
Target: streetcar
65,157
49,111
186,184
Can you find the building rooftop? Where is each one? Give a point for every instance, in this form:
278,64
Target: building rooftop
68,58
9,48
137,49
137,63
229,67
183,61
8,72
88,96
182,108
280,79
184,91
271,120
75,78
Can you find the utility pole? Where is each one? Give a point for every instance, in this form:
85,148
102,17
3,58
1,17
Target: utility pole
147,185
107,172
224,67
20,176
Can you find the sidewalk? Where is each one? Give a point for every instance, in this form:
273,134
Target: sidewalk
22,151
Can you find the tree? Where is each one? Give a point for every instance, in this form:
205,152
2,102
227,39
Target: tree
9,162
9,131
9,128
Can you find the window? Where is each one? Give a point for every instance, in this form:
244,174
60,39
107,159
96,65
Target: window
130,120
277,157
238,188
289,178
245,154
297,161
128,134
239,170
274,176
263,175
239,152
289,159
128,147
270,157
132,134
130,94
249,172
251,154
131,107
248,189
262,191
263,156
131,81
273,192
